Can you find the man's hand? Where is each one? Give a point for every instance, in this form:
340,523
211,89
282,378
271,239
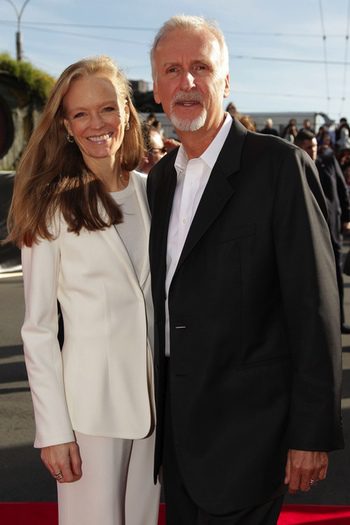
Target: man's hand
304,469
63,461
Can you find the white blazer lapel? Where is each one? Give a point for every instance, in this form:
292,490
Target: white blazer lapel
116,244
114,240
140,188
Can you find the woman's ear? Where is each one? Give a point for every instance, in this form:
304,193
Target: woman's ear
67,126
127,114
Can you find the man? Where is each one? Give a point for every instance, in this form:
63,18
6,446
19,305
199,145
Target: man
245,301
154,148
337,201
307,125
269,129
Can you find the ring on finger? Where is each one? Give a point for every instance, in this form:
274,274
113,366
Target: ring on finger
58,476
312,481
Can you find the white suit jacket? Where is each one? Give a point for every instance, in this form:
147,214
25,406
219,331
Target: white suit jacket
101,383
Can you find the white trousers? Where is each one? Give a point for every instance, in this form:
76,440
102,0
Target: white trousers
116,487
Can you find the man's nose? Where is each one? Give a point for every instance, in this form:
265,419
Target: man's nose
187,81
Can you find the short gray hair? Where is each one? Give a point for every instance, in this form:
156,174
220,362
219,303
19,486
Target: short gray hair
193,23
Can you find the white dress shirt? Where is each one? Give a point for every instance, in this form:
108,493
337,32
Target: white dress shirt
192,178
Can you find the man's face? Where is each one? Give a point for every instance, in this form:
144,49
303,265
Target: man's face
190,81
310,146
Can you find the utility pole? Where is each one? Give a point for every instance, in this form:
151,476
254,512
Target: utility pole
19,51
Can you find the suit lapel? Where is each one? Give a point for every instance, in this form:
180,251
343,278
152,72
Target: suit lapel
166,184
219,190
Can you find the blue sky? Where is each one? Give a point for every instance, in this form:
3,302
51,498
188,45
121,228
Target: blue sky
279,60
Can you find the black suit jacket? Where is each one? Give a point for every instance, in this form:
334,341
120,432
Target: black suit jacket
254,322
336,193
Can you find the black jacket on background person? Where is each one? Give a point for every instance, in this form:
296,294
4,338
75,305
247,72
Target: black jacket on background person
338,206
336,193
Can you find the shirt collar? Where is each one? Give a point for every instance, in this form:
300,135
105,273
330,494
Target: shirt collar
210,155
212,152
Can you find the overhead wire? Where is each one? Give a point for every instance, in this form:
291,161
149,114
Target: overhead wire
324,40
287,59
154,29
346,50
35,26
236,57
83,35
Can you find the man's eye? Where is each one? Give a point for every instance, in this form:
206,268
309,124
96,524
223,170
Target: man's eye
200,67
172,69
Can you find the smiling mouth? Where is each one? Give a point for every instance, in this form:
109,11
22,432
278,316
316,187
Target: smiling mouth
98,139
187,103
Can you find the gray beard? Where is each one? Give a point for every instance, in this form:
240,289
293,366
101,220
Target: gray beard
189,125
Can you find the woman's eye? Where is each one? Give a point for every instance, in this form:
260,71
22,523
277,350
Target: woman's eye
108,109
80,114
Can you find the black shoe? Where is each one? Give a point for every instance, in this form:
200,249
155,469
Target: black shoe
345,329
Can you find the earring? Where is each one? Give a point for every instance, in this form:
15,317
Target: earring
70,138
127,126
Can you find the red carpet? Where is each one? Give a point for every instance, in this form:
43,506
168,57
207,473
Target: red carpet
46,514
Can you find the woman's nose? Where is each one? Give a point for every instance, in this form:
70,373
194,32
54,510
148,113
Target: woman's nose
96,120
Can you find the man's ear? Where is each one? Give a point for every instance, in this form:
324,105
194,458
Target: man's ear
156,92
227,86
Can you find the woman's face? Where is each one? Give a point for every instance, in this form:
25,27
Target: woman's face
95,116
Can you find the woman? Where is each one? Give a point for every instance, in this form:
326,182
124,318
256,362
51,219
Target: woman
79,213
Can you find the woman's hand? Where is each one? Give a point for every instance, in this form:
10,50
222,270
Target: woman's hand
63,461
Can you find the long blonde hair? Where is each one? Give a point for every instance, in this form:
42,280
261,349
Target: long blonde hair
52,175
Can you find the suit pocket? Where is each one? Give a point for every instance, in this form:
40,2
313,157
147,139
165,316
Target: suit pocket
269,361
236,233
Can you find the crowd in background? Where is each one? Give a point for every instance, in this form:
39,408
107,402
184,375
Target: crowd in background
335,138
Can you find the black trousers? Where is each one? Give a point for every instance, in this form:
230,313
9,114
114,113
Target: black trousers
182,510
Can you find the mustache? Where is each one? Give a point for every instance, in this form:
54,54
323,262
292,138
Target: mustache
182,96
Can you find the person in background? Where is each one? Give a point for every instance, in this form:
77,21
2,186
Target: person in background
337,200
157,126
346,173
80,215
151,118
269,129
247,122
247,339
342,135
154,148
307,125
343,158
322,132
231,109
290,131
